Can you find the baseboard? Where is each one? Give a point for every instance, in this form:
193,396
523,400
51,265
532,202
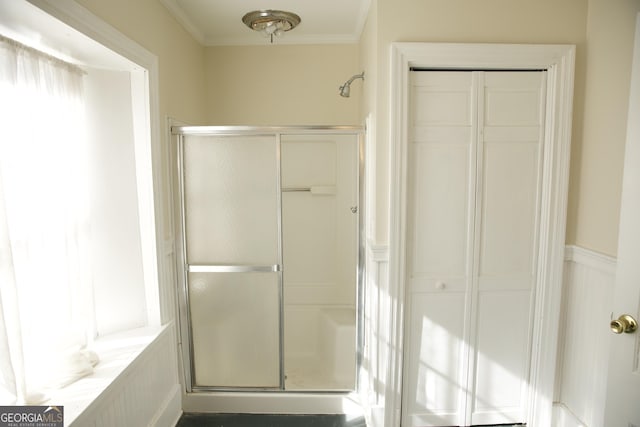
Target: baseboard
171,410
562,417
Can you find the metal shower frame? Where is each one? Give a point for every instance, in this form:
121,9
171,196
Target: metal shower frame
182,269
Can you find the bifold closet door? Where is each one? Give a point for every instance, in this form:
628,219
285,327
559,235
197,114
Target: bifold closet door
231,205
440,205
472,218
507,218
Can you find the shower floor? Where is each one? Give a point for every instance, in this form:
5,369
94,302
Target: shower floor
310,373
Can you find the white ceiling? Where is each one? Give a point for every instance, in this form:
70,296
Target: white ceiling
219,22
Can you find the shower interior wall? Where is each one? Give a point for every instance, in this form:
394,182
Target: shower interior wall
320,247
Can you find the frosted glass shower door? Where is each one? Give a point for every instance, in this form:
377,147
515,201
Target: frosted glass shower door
232,251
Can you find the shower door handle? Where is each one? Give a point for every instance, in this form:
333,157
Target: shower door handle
234,268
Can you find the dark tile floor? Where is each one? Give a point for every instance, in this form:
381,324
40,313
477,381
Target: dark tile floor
257,420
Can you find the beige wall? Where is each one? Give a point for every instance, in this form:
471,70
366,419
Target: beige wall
368,61
295,85
463,21
598,147
281,85
180,59
603,33
368,109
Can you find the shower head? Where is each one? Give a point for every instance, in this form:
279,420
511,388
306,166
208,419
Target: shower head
345,89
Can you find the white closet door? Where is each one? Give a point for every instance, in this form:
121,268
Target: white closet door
439,247
473,202
510,149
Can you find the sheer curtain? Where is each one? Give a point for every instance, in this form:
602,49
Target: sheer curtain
45,285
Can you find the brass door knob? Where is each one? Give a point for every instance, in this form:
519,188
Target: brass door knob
624,323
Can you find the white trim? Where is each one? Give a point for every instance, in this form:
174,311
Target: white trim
558,60
370,178
81,19
148,141
562,417
285,39
170,411
363,15
595,260
177,12
379,253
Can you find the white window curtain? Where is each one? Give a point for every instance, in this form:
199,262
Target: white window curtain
46,314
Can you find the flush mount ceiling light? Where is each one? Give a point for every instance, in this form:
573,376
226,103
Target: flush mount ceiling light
271,22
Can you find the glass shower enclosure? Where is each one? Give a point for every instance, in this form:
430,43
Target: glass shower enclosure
268,256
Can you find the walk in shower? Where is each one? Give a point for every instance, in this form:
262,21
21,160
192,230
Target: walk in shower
269,257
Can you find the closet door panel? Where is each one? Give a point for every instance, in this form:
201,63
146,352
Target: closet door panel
509,208
441,173
502,359
512,118
441,211
442,99
439,220
436,359
508,217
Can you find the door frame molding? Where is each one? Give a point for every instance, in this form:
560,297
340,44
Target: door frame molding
559,61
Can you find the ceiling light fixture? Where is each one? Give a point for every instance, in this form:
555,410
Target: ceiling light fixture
271,22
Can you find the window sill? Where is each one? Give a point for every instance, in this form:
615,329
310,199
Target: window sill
118,354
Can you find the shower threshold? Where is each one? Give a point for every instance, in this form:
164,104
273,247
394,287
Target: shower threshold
273,403
310,374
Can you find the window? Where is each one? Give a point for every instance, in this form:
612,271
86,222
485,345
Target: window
44,217
72,258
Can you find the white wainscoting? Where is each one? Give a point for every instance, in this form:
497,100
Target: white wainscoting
377,318
144,392
581,379
580,388
137,380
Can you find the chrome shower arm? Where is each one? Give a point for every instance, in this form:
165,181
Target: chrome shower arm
345,89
